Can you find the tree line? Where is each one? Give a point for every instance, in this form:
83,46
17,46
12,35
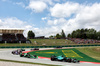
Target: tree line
85,34
79,33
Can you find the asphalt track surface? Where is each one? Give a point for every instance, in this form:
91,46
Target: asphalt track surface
6,54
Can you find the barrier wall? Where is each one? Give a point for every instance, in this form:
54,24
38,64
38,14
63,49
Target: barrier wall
47,46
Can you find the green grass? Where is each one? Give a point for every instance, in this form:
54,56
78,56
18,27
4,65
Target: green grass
15,44
51,42
27,62
72,53
41,42
93,52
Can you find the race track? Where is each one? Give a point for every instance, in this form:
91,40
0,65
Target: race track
6,54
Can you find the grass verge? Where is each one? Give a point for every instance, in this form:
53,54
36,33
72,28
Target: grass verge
26,62
93,52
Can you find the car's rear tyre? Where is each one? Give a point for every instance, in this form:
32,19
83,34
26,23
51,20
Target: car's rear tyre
21,55
69,60
12,52
53,58
28,55
78,61
35,56
66,60
74,61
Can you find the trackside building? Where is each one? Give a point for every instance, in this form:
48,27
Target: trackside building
12,36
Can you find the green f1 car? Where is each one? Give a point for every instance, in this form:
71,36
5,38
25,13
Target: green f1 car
27,55
62,58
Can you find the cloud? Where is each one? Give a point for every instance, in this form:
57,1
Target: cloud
81,16
68,16
71,16
47,31
64,10
44,18
49,2
13,22
57,21
89,16
37,6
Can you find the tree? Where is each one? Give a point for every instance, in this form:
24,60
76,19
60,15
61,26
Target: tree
58,36
31,35
63,34
74,34
98,35
91,33
78,33
51,37
69,35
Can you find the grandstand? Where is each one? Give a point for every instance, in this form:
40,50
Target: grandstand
12,36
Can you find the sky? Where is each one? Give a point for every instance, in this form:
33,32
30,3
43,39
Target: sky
49,17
